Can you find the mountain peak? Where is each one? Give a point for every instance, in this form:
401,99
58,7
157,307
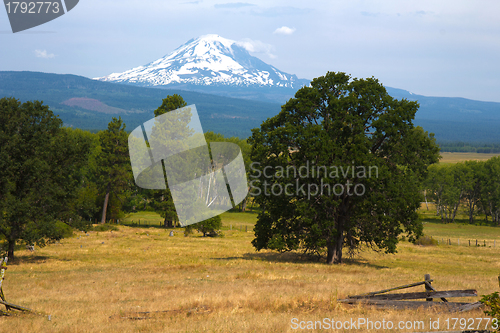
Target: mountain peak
209,60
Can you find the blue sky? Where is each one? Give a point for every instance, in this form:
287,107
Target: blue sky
433,48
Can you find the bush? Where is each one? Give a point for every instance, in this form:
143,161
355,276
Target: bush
210,227
80,224
493,302
63,229
426,241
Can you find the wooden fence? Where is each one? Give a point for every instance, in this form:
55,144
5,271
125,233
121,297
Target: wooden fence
467,242
410,300
8,306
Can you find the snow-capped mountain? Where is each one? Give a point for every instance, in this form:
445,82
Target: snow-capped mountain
209,60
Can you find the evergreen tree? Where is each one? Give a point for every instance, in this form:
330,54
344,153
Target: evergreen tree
161,200
114,167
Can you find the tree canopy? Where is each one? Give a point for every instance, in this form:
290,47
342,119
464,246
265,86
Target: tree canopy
114,166
40,170
474,184
340,165
162,200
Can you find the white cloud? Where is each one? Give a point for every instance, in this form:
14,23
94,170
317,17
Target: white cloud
284,30
257,46
43,54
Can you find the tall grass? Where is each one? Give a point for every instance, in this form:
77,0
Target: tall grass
141,279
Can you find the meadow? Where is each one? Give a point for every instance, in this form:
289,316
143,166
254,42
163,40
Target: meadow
138,278
460,157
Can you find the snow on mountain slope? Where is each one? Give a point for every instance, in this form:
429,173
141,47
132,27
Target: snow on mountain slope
209,60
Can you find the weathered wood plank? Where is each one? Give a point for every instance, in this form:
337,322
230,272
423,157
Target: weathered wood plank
428,287
391,289
406,304
428,284
419,295
13,306
469,306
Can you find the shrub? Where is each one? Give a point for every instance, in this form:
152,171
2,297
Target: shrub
64,230
80,224
210,227
493,302
426,241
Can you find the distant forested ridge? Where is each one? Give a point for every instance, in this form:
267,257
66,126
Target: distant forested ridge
89,104
464,147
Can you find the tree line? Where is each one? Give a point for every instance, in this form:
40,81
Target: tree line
474,185
467,147
53,177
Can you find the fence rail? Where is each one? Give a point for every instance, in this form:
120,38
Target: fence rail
467,242
381,298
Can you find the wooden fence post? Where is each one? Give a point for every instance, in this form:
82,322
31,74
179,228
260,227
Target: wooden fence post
427,279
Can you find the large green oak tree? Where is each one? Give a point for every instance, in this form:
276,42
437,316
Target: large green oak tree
340,166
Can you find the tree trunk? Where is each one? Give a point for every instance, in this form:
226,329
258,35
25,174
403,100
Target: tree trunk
337,254
167,223
334,254
10,252
455,209
243,205
491,212
330,253
471,212
105,207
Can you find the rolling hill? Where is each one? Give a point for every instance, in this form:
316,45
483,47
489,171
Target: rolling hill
90,104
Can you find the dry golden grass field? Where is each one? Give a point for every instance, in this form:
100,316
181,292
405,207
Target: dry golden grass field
140,279
459,157
143,280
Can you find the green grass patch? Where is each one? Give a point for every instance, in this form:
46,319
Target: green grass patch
105,227
143,219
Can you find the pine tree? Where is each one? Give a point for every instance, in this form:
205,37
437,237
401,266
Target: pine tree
114,166
161,200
